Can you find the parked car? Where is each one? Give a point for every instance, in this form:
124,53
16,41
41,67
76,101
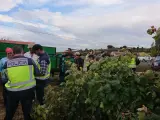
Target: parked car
145,58
156,64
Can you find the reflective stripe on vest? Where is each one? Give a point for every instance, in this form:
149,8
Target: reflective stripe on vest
47,74
132,63
20,77
20,89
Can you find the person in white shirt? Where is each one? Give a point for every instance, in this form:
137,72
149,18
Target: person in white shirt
30,54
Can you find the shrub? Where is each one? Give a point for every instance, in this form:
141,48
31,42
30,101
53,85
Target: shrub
103,93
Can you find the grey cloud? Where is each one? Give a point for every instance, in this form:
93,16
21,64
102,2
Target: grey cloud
25,35
7,5
92,30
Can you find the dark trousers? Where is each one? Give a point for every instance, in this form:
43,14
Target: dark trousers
134,69
4,94
62,77
25,98
40,86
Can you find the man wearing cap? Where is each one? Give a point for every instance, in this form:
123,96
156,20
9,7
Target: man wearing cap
44,65
70,53
64,67
30,54
79,61
9,53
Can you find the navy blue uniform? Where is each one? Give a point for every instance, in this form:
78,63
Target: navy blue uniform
43,61
25,97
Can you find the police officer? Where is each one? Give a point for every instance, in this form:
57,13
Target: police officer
134,62
79,61
20,72
91,61
44,65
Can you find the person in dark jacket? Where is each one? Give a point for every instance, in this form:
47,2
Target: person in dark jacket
137,59
91,61
44,65
69,53
64,67
79,61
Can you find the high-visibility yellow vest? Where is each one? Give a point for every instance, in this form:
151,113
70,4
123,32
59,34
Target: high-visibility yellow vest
20,75
132,64
47,74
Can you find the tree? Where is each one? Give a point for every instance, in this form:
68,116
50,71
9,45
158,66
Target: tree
153,44
142,49
153,51
86,50
134,49
125,46
110,46
156,34
137,48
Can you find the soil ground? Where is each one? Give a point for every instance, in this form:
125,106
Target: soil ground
143,67
17,116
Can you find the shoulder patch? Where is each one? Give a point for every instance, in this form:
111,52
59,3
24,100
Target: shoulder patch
17,62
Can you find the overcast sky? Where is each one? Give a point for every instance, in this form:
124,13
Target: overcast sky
79,23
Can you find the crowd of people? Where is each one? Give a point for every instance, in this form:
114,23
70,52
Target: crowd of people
83,63
25,75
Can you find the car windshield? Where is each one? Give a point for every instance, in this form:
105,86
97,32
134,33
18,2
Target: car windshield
157,58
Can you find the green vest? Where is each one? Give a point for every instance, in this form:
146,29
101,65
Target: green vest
132,64
68,63
20,77
47,74
70,60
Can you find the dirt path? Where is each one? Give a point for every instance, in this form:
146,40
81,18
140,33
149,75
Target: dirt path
2,109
